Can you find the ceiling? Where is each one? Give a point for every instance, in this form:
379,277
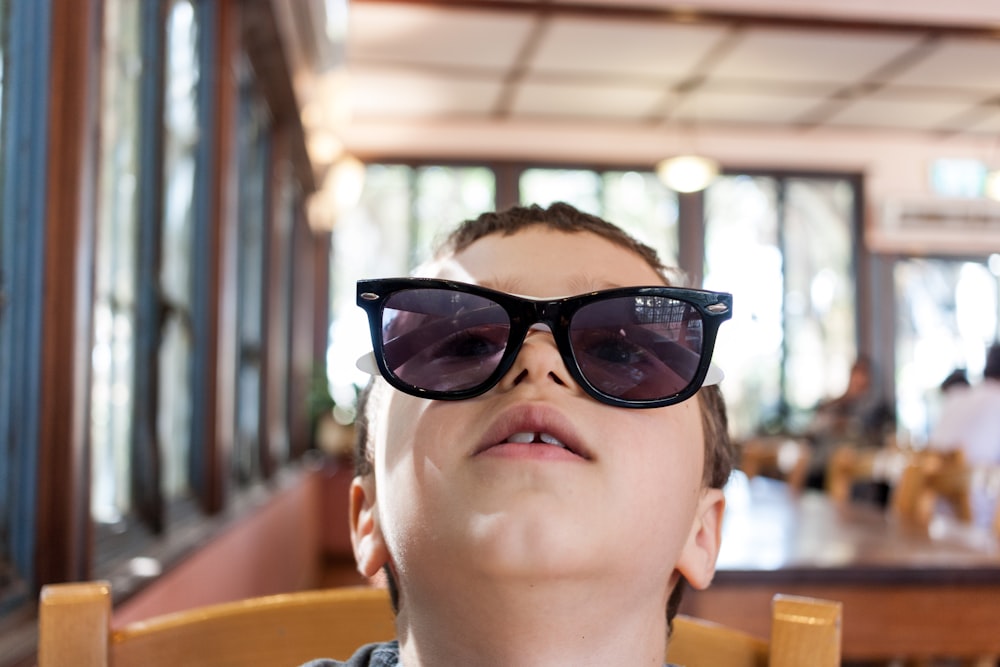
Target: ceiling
643,64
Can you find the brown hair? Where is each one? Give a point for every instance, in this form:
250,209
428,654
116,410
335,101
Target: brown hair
719,453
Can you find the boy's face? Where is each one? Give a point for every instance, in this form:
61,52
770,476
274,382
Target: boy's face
456,490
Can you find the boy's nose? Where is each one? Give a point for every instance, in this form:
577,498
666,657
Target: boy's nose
538,360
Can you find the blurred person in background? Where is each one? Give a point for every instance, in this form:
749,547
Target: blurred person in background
857,418
970,422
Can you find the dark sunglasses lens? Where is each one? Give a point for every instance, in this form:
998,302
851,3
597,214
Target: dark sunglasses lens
638,348
443,340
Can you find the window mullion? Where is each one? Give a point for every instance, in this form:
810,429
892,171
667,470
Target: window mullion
146,487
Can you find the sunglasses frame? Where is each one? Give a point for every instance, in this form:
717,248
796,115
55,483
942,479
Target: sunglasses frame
524,312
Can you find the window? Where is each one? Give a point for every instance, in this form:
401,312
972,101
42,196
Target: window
115,280
946,316
182,128
253,152
402,209
281,315
784,245
143,404
637,201
785,248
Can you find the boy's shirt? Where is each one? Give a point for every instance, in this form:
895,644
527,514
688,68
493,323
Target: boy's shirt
370,655
373,655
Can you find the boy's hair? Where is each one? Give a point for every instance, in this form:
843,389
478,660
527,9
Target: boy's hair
719,453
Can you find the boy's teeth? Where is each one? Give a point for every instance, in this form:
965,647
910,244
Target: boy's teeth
531,437
550,439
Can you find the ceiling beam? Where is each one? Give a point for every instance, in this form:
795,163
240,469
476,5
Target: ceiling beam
689,14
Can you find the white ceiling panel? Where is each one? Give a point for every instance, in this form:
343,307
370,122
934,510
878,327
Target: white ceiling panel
973,64
810,55
658,51
882,112
419,35
743,107
938,93
989,123
388,93
586,101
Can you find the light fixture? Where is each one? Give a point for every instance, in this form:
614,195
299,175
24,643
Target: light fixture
991,186
687,173
340,192
345,182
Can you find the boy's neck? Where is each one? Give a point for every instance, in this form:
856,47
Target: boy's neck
534,625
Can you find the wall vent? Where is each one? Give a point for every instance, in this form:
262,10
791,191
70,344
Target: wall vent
935,226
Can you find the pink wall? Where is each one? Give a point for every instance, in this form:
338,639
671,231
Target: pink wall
275,548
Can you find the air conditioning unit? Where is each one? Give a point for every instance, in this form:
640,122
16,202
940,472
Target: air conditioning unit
935,226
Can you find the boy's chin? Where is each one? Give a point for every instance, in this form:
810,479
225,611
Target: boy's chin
529,553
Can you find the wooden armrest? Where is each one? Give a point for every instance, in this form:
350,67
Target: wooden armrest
805,631
73,624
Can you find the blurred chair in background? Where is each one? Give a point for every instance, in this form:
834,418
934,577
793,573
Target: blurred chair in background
781,457
934,481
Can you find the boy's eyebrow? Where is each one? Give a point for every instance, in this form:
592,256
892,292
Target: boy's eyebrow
579,284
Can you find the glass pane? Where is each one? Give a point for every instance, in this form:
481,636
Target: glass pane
280,275
579,187
370,241
446,196
819,290
112,391
642,205
946,316
743,256
402,213
181,134
252,148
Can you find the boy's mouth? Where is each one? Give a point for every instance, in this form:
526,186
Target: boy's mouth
537,437
540,428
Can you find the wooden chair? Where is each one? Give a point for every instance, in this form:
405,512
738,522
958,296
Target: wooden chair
781,457
850,465
932,477
290,629
804,631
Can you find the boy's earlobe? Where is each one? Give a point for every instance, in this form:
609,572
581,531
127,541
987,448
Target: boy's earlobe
697,561
370,550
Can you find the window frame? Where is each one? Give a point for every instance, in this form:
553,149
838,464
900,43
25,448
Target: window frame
153,513
23,207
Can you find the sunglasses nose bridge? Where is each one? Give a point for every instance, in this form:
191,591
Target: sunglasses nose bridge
543,317
547,315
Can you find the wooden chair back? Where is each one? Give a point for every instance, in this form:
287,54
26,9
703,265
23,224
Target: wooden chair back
804,631
932,477
781,457
290,629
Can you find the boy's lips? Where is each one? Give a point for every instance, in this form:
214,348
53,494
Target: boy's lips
534,426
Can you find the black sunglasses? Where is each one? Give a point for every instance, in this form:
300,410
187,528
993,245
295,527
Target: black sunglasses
635,347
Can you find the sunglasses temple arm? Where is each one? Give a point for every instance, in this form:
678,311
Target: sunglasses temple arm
366,364
713,376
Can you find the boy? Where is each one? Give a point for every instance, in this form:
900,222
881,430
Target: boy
527,509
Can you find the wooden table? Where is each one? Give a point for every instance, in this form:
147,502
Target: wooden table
907,591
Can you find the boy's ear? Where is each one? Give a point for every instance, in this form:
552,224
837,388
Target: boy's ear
370,550
697,561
